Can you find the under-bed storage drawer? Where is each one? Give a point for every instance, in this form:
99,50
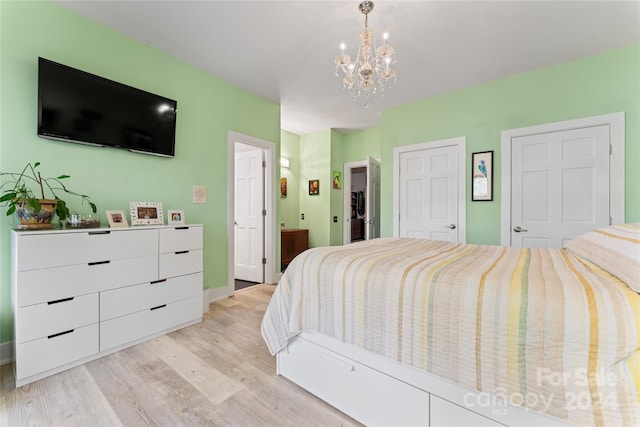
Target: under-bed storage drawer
447,414
51,352
142,324
347,385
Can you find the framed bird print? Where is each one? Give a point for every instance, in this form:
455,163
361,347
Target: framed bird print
482,176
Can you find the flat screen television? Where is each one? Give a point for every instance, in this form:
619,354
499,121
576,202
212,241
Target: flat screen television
76,106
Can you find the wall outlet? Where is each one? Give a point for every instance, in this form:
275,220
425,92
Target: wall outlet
335,219
302,216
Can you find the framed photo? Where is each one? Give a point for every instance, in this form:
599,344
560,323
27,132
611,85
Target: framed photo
117,219
146,213
337,180
283,187
175,217
482,176
314,187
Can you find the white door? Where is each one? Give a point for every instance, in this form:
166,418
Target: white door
428,201
372,222
559,185
249,215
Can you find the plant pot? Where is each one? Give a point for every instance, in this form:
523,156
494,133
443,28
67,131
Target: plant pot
28,219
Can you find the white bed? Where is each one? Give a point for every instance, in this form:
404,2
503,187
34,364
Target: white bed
415,332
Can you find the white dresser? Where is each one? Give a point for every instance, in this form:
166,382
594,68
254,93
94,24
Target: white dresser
78,295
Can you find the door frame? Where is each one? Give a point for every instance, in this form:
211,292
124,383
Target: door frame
461,143
346,185
270,272
616,124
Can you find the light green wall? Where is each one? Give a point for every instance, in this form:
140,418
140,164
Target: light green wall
315,163
290,205
337,163
359,145
600,84
207,109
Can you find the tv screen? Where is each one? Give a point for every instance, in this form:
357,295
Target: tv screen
76,106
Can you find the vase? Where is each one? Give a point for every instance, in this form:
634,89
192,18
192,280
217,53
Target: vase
28,219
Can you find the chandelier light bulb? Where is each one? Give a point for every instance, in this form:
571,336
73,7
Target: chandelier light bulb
372,63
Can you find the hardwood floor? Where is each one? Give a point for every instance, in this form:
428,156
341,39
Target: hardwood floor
217,372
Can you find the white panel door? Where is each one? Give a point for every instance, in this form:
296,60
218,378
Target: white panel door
429,194
372,229
249,219
560,186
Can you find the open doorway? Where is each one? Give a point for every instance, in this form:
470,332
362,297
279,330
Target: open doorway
267,260
361,200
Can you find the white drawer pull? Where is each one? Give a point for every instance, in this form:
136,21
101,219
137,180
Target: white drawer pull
99,263
155,308
60,333
60,300
339,361
182,252
158,281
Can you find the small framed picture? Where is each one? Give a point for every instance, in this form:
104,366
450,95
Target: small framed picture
146,213
283,187
314,187
337,180
482,176
117,219
175,217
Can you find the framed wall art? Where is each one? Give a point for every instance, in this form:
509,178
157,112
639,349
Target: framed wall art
482,176
314,187
117,219
175,217
146,213
337,180
283,187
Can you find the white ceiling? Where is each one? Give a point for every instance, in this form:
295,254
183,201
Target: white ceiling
284,50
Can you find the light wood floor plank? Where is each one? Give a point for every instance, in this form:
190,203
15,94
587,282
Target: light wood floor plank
215,373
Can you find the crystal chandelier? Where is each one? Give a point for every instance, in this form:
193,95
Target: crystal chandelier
371,70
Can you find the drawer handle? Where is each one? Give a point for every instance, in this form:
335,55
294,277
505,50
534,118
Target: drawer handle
60,333
60,300
182,252
99,263
155,308
95,233
182,228
339,361
158,281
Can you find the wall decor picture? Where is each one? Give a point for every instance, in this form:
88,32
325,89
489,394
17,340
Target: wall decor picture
482,176
337,180
117,219
175,217
283,187
314,187
146,213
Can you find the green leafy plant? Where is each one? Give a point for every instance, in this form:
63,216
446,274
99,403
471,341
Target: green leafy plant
16,191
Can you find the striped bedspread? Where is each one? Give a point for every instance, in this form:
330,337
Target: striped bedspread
541,328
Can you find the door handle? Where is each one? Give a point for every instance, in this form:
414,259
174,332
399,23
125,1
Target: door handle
451,226
519,229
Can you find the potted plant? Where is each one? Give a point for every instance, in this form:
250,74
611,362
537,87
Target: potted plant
33,211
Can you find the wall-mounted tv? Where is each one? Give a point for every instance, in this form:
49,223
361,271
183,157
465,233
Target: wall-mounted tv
76,106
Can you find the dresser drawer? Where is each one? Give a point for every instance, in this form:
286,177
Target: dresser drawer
180,239
42,320
60,249
40,355
37,286
131,299
180,263
125,329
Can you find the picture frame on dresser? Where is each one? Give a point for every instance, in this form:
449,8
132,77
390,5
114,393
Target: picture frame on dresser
146,213
175,217
117,219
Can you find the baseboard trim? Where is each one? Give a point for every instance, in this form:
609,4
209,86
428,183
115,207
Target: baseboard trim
6,353
217,294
